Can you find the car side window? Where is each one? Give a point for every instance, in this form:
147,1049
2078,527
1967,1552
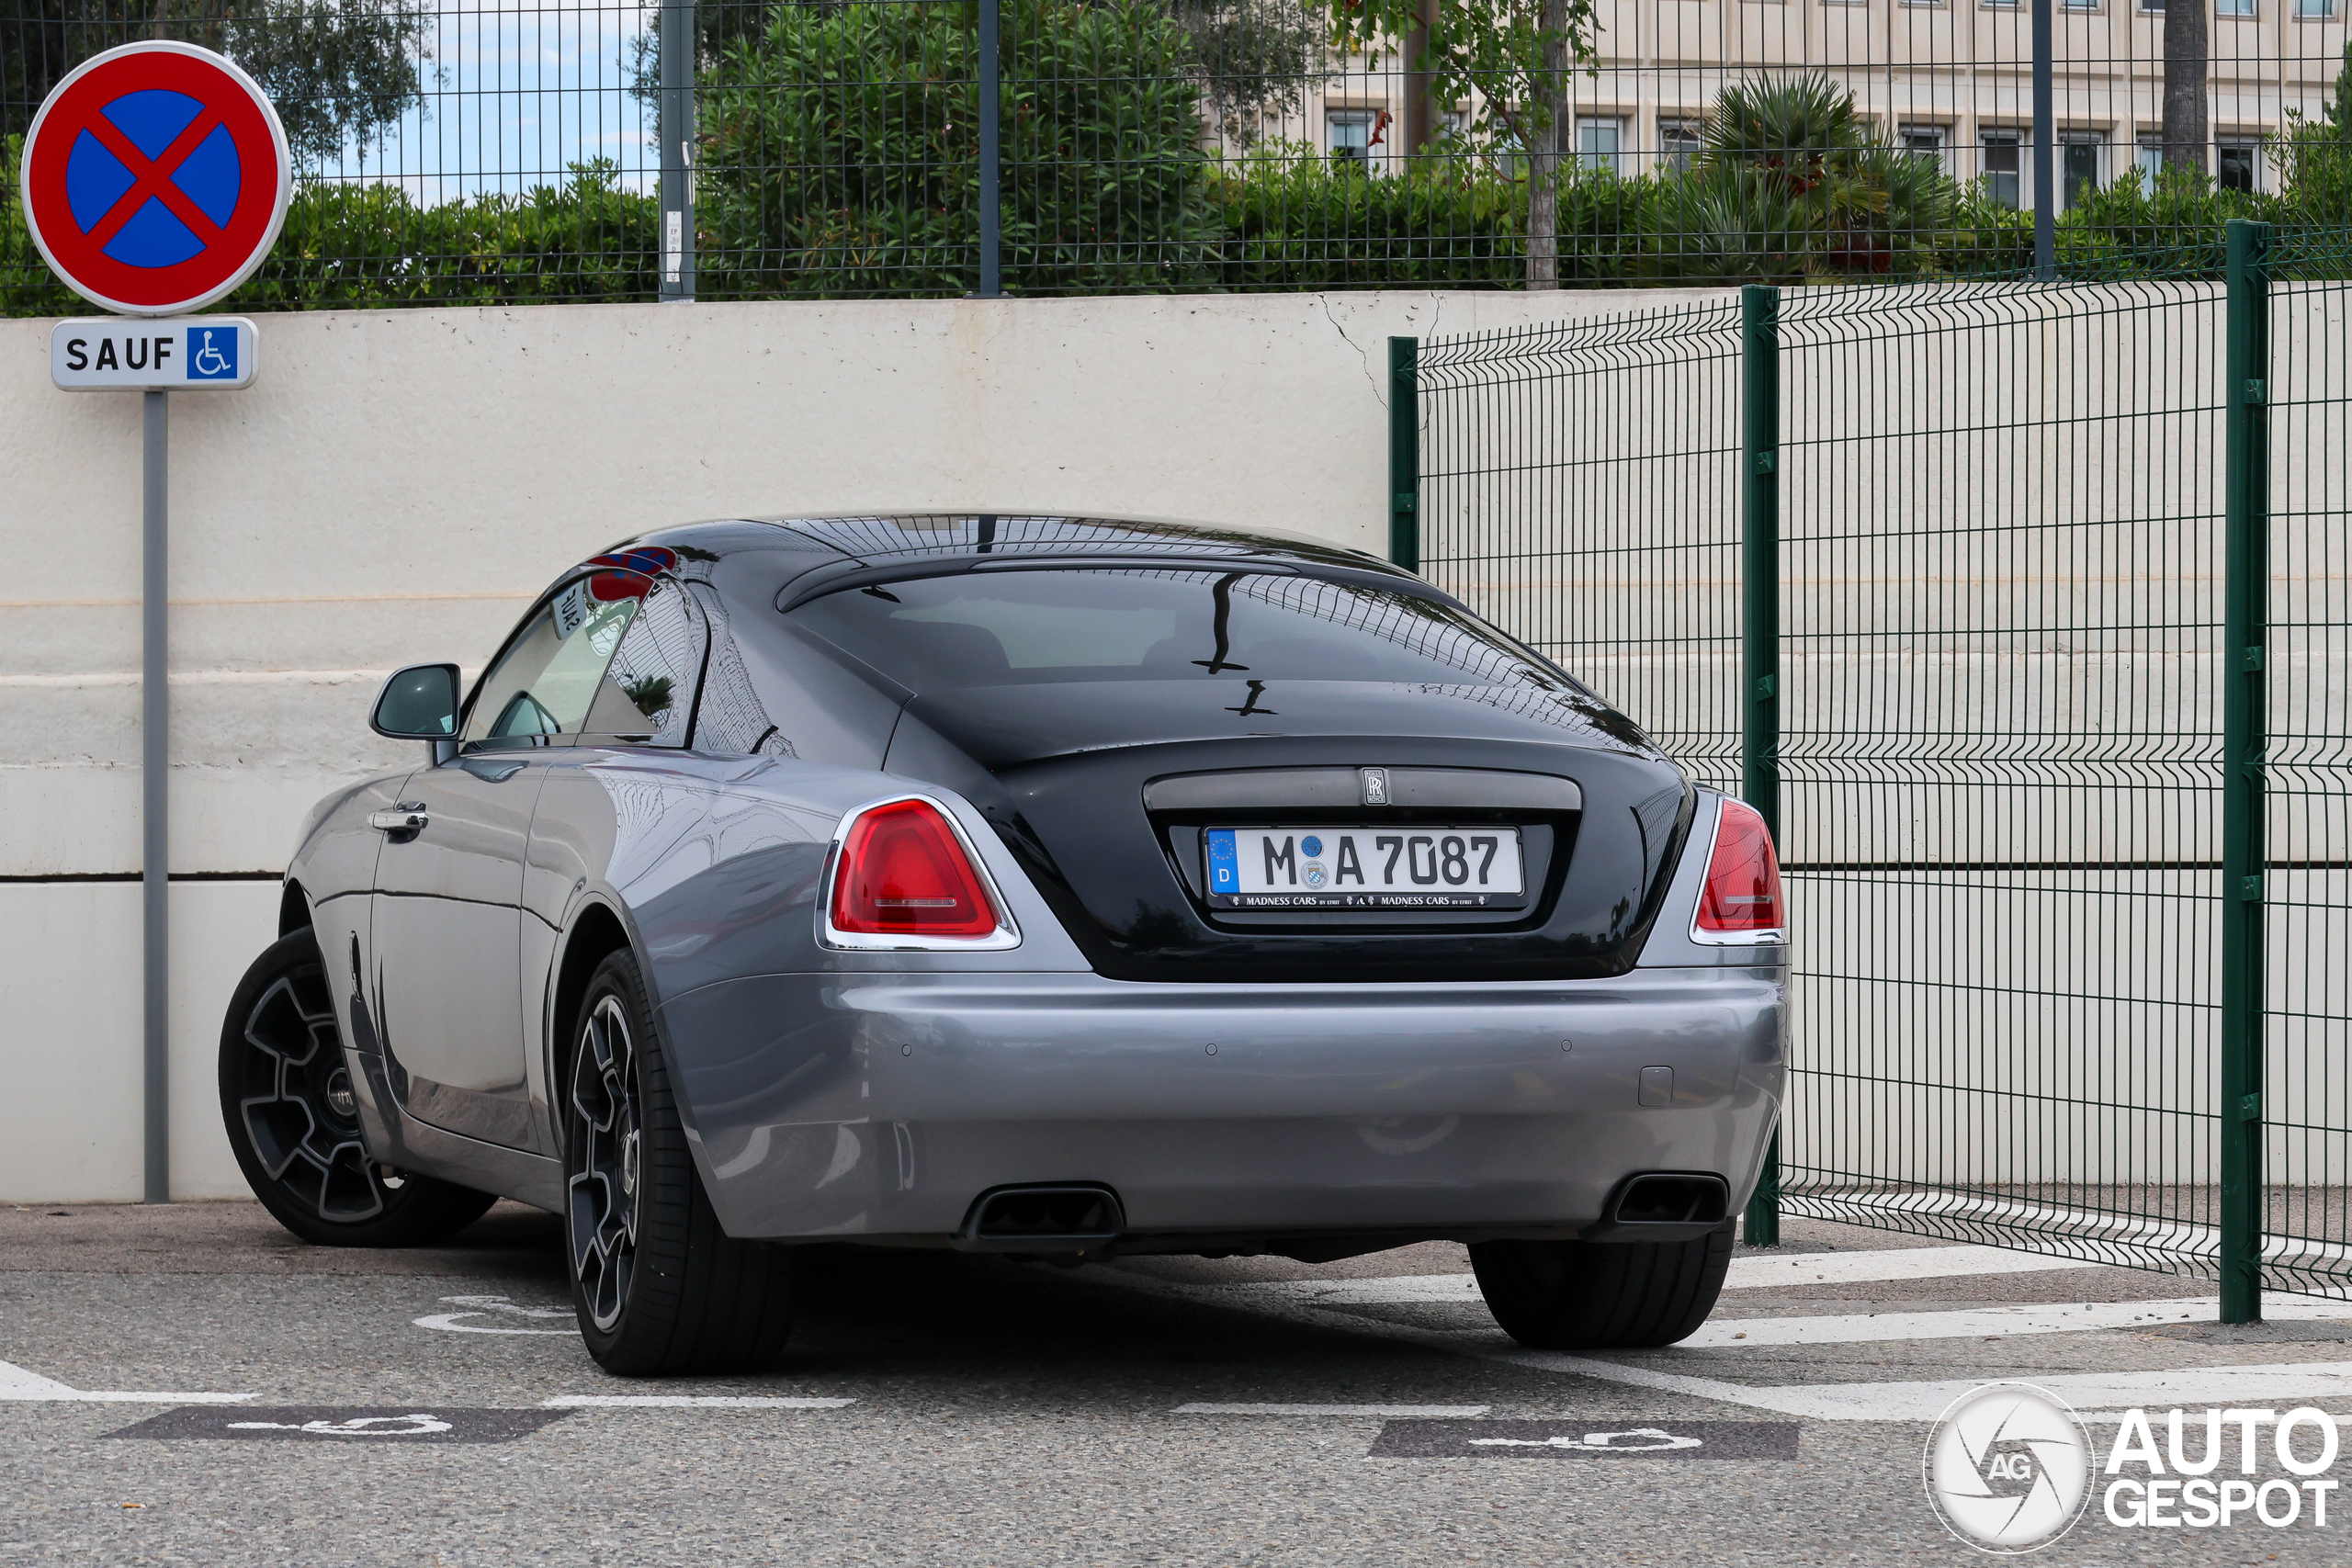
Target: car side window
732,720
542,686
647,696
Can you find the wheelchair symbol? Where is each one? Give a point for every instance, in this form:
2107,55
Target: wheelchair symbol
208,360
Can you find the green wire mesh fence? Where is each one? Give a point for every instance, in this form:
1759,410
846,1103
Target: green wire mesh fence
2011,520
453,152
2307,1069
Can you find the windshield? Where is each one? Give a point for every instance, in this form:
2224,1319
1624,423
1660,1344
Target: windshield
1020,628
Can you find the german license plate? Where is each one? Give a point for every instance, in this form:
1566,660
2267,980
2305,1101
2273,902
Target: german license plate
1365,868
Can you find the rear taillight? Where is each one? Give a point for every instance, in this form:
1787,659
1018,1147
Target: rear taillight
903,872
1743,891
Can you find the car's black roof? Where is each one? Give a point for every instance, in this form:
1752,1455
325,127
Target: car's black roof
889,540
846,551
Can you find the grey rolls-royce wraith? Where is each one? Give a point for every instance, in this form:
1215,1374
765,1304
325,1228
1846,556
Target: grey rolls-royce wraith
1044,886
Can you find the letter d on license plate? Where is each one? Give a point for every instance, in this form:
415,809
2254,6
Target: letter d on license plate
1365,868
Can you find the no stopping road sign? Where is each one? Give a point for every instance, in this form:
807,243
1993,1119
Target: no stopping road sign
155,178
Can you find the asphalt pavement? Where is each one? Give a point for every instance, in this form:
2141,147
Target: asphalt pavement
188,1384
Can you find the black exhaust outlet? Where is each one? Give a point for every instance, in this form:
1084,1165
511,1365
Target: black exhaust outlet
1666,1205
1076,1217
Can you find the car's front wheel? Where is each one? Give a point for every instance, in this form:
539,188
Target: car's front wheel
660,1288
293,1116
1585,1295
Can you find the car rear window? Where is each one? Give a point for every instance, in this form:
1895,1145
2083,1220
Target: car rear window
1015,628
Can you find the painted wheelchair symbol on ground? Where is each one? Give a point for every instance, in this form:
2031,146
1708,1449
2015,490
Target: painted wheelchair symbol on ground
499,1310
156,177
314,1424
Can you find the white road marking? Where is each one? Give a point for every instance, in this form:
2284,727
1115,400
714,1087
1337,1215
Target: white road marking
483,1306
2284,1383
1985,1323
16,1384
2300,1384
1746,1274
1396,1410
690,1402
1764,1270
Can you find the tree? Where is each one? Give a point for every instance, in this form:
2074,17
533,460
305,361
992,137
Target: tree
1511,59
2186,48
1253,59
341,71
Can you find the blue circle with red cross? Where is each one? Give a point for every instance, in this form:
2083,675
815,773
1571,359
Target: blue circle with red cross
155,178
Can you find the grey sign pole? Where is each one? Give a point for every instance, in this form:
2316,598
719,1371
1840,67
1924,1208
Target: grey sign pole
2045,179
154,737
678,134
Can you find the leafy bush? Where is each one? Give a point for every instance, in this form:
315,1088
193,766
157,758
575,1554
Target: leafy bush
1294,220
840,152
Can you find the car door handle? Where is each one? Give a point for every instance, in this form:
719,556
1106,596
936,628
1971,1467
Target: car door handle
408,816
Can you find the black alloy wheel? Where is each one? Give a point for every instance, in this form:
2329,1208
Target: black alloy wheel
293,1117
661,1290
1591,1295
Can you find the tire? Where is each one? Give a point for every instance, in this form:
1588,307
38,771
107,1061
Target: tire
660,1289
1585,1295
285,1098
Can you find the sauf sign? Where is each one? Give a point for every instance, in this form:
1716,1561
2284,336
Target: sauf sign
155,178
211,352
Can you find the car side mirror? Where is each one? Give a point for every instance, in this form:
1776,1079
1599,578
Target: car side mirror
419,703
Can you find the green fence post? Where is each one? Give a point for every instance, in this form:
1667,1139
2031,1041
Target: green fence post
1405,453
1759,639
2245,618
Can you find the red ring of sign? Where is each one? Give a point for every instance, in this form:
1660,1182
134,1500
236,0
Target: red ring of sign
264,178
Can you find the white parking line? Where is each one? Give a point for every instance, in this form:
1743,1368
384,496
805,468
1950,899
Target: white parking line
16,1384
690,1402
1765,1270
2291,1384
1746,1274
1395,1410
1985,1323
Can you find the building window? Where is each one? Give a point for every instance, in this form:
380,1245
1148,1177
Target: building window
2001,167
1596,143
2233,7
2315,10
2148,157
2237,163
2078,5
1678,144
1351,134
2078,167
2152,8
1924,142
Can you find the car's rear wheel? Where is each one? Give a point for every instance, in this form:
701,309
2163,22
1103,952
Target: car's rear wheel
661,1290
293,1118
1585,1295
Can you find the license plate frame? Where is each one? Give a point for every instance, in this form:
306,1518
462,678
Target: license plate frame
1360,869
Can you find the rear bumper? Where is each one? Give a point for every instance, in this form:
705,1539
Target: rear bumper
880,1106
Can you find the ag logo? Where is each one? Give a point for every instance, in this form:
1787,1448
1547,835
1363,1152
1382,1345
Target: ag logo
2008,1468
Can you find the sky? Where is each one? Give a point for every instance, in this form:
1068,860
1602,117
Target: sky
514,95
